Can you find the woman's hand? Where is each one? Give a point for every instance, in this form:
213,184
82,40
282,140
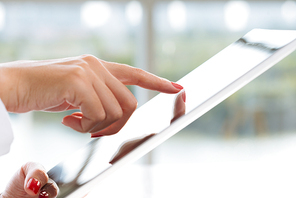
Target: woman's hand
94,86
31,181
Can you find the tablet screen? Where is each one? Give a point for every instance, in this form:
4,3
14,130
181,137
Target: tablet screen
166,114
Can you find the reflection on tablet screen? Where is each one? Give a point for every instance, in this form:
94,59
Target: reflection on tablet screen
166,111
127,147
91,160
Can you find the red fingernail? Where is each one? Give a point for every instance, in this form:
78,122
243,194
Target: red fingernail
43,194
96,136
34,185
177,86
184,96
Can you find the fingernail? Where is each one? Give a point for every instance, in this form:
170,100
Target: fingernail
43,194
96,136
49,190
177,86
34,185
184,96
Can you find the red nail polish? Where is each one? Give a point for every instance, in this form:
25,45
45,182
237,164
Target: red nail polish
34,185
177,86
43,194
184,96
96,136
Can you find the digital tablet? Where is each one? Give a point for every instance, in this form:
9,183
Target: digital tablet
165,115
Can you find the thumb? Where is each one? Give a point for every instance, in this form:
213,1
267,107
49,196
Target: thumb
37,181
50,190
35,177
31,180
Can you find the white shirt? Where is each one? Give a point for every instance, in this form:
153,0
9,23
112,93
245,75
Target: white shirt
6,135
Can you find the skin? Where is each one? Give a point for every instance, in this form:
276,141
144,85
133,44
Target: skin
17,187
94,87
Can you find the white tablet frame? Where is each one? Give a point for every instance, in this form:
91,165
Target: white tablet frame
190,117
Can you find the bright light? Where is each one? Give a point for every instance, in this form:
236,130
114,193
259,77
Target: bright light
236,15
95,13
134,12
2,16
289,11
177,15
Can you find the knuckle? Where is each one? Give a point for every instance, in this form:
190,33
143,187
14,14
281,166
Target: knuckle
89,58
116,115
36,169
96,119
139,74
132,104
99,117
77,74
78,71
138,71
26,167
81,62
41,174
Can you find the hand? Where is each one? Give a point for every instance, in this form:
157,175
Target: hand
31,181
94,86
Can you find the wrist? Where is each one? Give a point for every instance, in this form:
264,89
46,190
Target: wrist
3,85
7,85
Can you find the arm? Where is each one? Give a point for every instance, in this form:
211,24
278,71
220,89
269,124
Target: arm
5,131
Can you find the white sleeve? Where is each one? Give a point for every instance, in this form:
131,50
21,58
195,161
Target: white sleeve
6,135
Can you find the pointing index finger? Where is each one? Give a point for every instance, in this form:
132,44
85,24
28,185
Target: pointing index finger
134,76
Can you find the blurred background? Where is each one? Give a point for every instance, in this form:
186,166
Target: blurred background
244,147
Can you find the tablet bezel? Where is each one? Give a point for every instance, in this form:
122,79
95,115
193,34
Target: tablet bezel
183,121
